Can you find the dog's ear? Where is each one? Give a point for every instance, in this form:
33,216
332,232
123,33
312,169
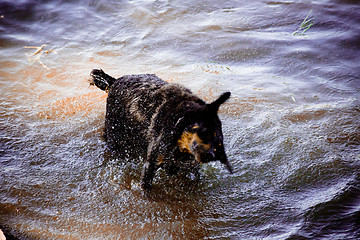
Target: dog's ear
214,106
225,161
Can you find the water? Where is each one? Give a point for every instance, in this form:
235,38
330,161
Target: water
291,127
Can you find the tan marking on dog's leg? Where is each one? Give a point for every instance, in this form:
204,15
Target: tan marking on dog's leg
160,160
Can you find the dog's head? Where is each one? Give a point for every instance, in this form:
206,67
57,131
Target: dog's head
202,136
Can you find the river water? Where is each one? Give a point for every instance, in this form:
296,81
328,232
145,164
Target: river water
291,127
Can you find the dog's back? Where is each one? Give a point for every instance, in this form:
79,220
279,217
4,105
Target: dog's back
134,101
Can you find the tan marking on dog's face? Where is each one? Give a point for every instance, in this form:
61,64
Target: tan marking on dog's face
187,139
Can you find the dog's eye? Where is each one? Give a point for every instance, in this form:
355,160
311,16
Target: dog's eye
195,127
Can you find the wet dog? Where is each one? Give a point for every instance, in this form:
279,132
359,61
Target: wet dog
166,123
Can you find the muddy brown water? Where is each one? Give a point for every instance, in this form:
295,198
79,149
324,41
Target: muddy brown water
291,128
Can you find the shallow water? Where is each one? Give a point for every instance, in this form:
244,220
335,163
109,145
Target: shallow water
291,127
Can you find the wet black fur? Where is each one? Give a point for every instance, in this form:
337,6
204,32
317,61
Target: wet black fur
146,116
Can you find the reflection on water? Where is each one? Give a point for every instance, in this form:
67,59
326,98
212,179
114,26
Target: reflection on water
291,127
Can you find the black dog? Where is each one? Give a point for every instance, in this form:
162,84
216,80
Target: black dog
166,123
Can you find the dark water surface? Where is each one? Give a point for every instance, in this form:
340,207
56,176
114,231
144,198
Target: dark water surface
291,127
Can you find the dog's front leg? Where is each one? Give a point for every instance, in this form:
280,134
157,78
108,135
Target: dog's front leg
147,175
150,167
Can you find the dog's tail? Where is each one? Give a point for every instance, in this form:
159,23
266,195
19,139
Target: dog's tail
100,79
